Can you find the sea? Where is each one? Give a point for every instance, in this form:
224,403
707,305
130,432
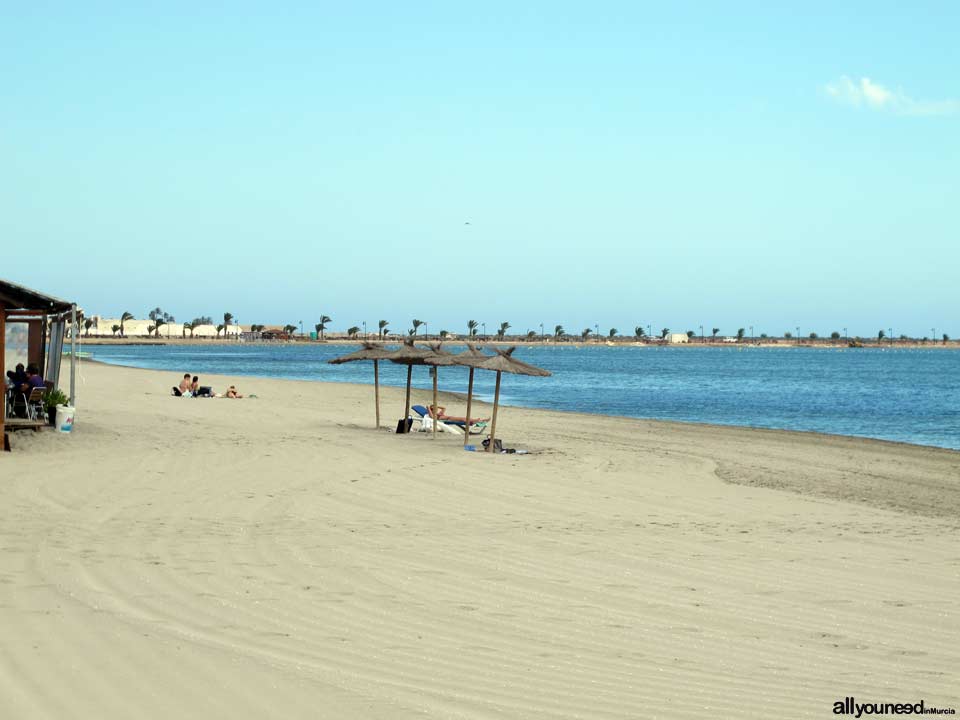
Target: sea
905,395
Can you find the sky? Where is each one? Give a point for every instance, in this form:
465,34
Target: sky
607,163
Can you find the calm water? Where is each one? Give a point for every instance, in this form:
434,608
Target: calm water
906,395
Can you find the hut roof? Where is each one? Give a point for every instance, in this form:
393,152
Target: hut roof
471,357
18,297
368,351
504,361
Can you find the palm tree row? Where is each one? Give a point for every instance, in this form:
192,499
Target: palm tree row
159,318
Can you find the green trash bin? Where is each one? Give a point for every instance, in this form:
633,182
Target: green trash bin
313,334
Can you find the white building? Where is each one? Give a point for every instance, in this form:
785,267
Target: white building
677,338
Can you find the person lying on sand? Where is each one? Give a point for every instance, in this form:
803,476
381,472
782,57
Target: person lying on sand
442,416
232,393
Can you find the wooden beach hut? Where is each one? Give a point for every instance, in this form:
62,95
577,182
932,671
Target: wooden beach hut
21,305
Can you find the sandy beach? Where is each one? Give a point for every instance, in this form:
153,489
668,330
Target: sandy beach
279,557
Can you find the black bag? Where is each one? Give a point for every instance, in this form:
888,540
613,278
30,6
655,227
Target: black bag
497,444
403,426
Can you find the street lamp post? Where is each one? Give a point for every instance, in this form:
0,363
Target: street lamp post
364,330
649,330
426,330
596,329
846,335
484,326
890,330
301,329
701,335
798,334
751,334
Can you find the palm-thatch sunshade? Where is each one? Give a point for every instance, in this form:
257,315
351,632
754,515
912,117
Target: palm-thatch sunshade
471,358
500,363
408,354
368,351
439,358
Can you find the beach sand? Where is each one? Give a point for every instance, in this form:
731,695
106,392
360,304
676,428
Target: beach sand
279,558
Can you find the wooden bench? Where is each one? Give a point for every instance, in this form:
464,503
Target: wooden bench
23,424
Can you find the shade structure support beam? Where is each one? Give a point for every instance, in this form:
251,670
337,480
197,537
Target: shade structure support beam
376,388
406,402
493,422
73,356
466,434
434,414
3,365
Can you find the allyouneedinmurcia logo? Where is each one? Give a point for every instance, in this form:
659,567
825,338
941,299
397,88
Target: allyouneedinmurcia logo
849,706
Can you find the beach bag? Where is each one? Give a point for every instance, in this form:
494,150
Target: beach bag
497,444
403,426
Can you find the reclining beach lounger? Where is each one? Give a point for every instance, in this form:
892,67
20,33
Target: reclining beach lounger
475,429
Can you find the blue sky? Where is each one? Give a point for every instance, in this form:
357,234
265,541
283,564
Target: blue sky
617,163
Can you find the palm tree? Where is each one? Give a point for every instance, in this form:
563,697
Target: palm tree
150,329
690,334
352,331
87,324
740,333
834,335
416,326
257,328
787,335
639,332
383,328
881,335
220,328
289,329
813,336
444,334
715,331
559,332
613,333
322,325
123,318
187,326
504,326
945,338
531,334
663,333
472,326
586,333
158,323
115,328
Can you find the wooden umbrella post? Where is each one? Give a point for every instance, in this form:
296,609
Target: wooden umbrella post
434,412
376,388
493,422
406,405
466,434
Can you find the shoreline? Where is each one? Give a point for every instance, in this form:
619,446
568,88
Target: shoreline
478,400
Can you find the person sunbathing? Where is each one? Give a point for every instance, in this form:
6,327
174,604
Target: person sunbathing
443,417
232,393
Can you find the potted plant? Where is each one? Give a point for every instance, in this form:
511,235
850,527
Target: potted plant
52,398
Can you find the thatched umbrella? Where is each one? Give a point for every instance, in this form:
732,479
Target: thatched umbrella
500,363
368,351
471,358
439,358
408,354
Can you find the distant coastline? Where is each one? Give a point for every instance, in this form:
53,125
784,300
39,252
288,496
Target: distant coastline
821,344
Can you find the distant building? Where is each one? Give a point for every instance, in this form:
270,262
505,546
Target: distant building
677,338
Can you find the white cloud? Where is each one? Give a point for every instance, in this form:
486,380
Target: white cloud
874,96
